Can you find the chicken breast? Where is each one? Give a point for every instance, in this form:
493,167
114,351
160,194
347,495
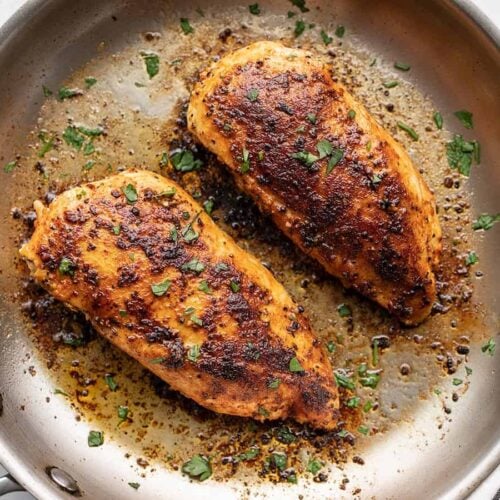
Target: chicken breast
162,282
334,180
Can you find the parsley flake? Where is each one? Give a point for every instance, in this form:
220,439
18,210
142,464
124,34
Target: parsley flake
300,27
66,93
245,163
203,287
194,353
314,466
186,27
471,259
408,130
161,288
489,347
67,266
252,95
461,154
90,81
95,438
294,366
254,9
485,222
134,485
152,62
327,40
465,118
343,380
305,157
194,265
301,4
110,382
9,167
130,193
438,120
197,468
344,310
274,384
340,31
402,66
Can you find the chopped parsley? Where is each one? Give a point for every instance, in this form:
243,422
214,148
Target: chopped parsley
46,91
363,429
375,353
312,118
351,114
408,130
279,459
122,413
353,402
254,9
194,353
391,84
457,381
60,391
471,259
290,14
367,406
402,66
235,287
185,26
461,154
340,31
130,193
111,382
305,157
194,265
88,166
197,468
327,40
134,485
47,143
344,310
489,347
188,233
285,435
252,95
294,366
331,346
67,266
314,466
370,380
208,206
300,27
184,161
221,266
90,132
335,156
438,120
95,438
324,148
90,81
465,118
261,155
262,411
250,454
73,137
161,288
485,222
203,287
301,4
66,93
9,167
88,148
344,381
168,193
152,62
158,361
245,161
468,370
274,384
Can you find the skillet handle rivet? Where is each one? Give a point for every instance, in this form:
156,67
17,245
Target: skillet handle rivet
63,480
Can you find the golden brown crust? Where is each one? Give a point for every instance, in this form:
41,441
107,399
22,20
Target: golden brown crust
369,219
223,332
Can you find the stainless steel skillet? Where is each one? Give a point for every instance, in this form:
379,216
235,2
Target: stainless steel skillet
455,54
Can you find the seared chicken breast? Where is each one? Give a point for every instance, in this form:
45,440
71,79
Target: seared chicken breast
162,282
333,179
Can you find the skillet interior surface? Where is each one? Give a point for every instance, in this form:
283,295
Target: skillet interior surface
454,65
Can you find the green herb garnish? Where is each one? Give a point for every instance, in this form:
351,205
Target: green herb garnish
465,118
353,402
461,154
327,40
152,62
250,454
73,137
370,380
95,438
110,382
134,485
402,66
130,193
254,9
438,120
46,91
485,222
335,157
279,459
66,93
158,361
198,468
314,466
122,413
364,430
186,27
194,265
67,266
408,130
245,163
300,27
90,81
194,353
344,381
367,406
351,114
294,366
471,259
9,167
391,84
344,310
252,95
375,353
184,161
274,384
331,346
489,347
340,31
203,287
305,157
235,287
161,288
457,381
301,4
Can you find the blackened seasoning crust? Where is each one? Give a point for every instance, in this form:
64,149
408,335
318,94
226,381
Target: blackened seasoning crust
143,284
